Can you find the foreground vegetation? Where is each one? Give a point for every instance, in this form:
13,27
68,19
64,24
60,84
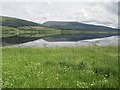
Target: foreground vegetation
79,67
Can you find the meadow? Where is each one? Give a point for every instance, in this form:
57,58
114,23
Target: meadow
78,67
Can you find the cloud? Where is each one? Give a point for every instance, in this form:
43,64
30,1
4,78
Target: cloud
99,13
59,1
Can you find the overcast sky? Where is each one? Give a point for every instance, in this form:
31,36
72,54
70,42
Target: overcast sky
92,12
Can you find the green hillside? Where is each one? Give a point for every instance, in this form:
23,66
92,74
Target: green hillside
15,22
77,26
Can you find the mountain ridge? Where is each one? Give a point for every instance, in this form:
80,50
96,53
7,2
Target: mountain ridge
15,22
68,25
75,26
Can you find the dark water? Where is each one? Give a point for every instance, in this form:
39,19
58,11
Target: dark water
63,37
76,37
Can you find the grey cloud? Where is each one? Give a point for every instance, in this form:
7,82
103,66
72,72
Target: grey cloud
104,13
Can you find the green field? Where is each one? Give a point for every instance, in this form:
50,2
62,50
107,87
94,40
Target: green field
79,67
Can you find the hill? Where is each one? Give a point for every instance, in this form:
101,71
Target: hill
15,22
76,26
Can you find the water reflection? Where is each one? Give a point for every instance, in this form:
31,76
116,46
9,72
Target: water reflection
76,37
26,37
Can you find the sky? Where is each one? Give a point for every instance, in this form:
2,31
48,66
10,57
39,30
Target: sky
96,12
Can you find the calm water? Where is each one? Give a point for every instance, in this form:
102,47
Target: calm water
64,37
76,37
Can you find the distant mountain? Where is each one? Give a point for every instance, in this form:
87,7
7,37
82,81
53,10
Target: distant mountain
76,26
15,22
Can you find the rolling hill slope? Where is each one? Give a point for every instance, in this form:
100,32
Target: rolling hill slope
15,22
76,26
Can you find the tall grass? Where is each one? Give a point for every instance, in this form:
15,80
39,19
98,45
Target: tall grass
79,67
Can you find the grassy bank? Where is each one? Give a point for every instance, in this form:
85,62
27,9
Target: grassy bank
83,67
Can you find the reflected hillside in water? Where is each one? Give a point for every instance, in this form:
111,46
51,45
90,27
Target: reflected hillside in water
56,37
